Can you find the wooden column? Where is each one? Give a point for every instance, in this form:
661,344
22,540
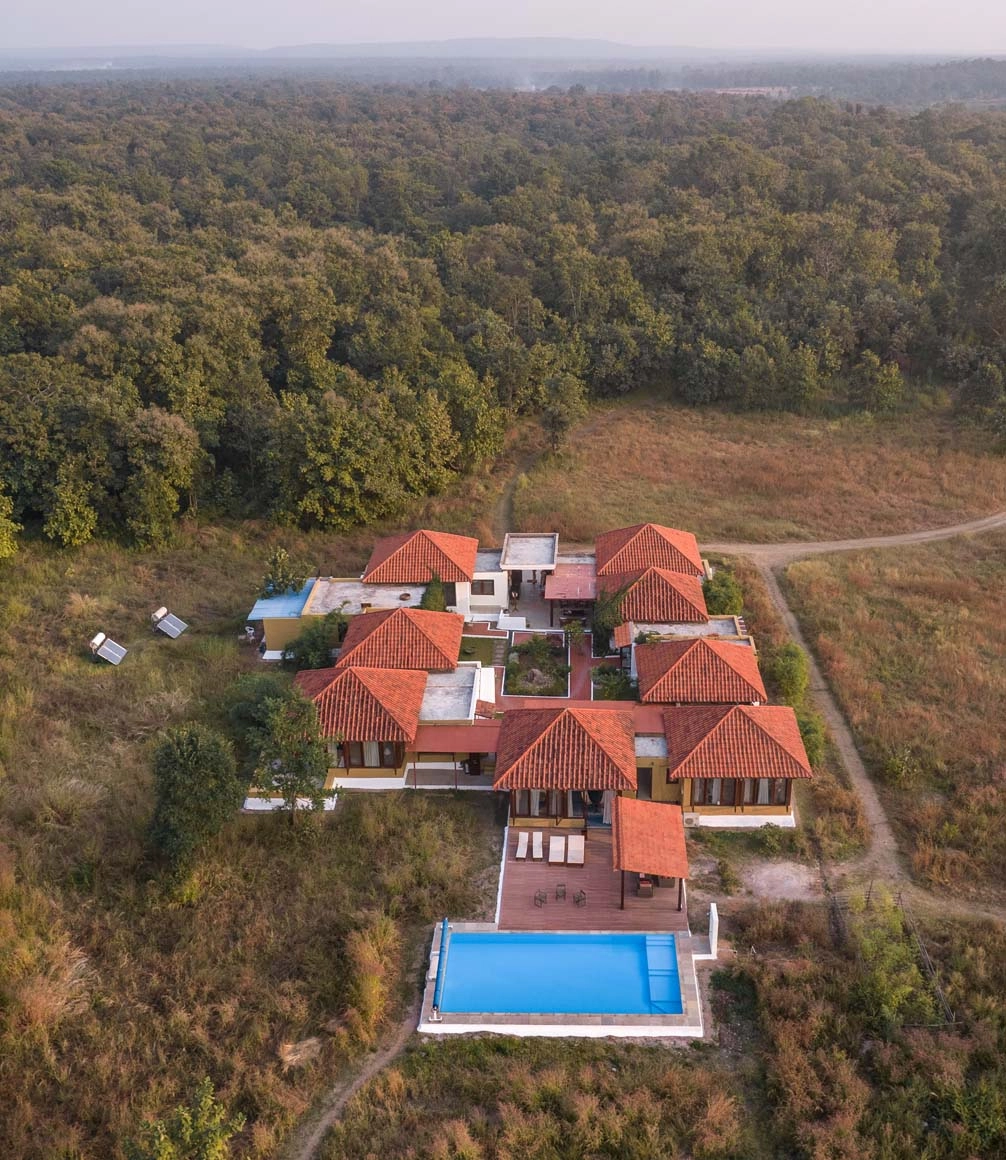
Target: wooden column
681,892
622,906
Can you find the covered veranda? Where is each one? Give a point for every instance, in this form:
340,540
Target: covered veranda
648,845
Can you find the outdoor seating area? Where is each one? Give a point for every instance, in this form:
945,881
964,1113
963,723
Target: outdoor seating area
541,895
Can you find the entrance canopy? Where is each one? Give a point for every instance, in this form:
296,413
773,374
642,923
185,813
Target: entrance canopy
572,582
648,838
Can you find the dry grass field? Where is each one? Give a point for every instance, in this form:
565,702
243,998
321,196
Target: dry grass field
760,477
914,644
120,991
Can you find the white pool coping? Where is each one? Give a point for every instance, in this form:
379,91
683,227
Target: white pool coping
687,1025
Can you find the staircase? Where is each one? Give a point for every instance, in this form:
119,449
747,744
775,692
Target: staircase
662,969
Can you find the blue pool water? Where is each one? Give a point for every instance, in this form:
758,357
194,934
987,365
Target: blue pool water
576,974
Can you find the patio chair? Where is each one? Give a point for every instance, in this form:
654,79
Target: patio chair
556,850
580,898
521,852
575,850
540,897
537,846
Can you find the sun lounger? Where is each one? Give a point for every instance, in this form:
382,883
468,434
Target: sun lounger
574,850
537,852
556,850
521,852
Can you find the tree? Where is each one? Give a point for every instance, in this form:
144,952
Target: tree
434,599
565,405
281,574
723,594
607,616
876,385
8,527
201,1130
72,518
196,788
292,760
320,635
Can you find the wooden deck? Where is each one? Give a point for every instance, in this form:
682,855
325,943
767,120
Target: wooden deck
596,877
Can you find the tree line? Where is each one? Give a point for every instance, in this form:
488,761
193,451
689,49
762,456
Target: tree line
313,301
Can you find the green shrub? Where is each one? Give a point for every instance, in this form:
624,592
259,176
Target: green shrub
787,668
434,598
814,734
313,648
723,594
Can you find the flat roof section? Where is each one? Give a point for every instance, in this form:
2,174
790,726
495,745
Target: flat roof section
572,582
530,550
451,696
726,626
354,596
488,560
285,606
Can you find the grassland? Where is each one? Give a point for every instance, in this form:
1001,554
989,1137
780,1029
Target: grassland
119,990
914,644
760,477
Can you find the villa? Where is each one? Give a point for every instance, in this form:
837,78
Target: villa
493,695
421,699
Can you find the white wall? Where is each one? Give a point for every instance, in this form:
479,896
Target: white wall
499,597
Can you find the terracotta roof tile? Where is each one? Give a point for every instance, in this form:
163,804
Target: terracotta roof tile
360,704
734,741
657,596
647,546
648,838
413,557
566,749
697,671
622,636
403,638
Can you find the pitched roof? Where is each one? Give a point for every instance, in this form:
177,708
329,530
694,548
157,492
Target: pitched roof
647,546
361,704
696,671
734,741
566,749
622,636
413,557
648,838
657,596
403,638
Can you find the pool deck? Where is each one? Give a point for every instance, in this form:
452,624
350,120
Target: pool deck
602,886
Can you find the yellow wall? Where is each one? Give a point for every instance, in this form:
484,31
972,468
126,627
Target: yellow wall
280,631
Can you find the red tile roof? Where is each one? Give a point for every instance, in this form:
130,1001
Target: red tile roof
566,749
403,638
622,636
696,671
647,546
657,596
360,704
734,741
413,557
648,838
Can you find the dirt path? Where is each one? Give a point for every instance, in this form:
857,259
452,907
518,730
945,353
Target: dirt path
777,555
307,1140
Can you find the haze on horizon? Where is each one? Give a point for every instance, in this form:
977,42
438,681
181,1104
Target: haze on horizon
944,27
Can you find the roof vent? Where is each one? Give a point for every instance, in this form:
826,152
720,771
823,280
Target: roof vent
406,596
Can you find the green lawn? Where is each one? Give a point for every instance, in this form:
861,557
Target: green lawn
478,648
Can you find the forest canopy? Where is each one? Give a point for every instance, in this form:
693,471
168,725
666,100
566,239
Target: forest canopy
312,301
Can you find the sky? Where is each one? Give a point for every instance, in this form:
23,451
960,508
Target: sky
920,26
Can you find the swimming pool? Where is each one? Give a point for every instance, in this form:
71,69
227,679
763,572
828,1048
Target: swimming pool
576,974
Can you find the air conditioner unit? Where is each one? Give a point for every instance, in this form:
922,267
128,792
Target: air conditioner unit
691,819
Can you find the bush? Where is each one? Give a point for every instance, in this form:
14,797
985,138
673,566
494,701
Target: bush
313,648
723,594
199,1131
788,669
814,734
197,790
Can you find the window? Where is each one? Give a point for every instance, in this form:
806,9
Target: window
451,595
764,791
483,588
373,754
714,791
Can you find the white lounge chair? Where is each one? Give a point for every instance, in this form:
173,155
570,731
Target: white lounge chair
556,850
521,852
537,844
575,850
